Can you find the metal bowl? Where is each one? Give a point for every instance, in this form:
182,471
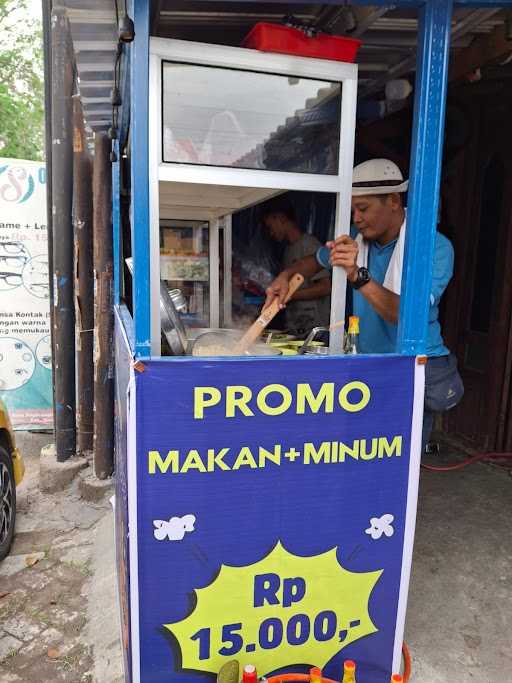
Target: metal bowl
263,350
278,336
317,351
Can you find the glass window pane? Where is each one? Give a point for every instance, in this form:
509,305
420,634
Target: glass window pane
223,117
184,266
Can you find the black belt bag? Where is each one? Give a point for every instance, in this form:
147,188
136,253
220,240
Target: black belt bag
443,384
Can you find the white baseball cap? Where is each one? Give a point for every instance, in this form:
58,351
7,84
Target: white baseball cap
377,176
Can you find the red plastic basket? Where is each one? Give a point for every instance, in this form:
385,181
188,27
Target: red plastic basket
291,41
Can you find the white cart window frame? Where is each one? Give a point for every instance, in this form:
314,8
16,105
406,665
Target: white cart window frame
167,50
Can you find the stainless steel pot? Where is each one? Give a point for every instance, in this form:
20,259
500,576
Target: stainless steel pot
171,323
194,333
226,335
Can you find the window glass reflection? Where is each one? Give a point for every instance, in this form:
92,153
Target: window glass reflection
222,117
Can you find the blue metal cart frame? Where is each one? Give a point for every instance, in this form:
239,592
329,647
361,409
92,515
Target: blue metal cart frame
134,486
425,168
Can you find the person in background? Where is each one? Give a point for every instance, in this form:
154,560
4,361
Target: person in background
372,258
310,307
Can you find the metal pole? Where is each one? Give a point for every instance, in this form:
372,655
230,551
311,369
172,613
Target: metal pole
62,198
84,284
425,174
117,224
47,58
140,214
103,310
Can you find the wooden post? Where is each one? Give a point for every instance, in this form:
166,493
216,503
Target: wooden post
84,283
47,62
63,318
103,310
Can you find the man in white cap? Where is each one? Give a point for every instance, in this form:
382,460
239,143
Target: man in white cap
372,258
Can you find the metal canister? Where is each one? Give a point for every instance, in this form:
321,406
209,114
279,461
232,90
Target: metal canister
178,300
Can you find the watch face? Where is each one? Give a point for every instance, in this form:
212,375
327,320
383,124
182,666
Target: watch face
363,276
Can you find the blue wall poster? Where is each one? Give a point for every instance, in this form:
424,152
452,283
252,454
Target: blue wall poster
25,344
272,507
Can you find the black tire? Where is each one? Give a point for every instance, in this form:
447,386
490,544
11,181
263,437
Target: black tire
7,502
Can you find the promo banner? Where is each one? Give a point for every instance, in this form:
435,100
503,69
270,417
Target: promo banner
274,507
25,346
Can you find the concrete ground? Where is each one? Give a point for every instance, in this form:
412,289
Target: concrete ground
459,620
58,610
58,607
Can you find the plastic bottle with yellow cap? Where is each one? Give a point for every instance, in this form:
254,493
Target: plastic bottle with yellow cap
352,341
349,670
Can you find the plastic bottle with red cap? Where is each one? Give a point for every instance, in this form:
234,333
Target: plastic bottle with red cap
396,678
315,675
349,671
249,674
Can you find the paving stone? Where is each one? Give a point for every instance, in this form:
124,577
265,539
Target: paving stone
51,636
31,523
8,585
31,541
56,476
83,517
16,563
34,650
66,572
10,678
11,603
80,555
63,616
46,604
35,581
9,645
67,645
51,640
21,627
72,539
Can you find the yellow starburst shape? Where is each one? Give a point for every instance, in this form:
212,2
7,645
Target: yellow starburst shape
281,611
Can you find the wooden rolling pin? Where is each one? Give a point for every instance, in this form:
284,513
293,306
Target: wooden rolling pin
266,316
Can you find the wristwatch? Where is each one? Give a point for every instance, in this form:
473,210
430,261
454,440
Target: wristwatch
363,276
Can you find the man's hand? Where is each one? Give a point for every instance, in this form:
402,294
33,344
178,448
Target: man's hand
308,267
278,290
344,252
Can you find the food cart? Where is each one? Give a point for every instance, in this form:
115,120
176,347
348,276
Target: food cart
265,506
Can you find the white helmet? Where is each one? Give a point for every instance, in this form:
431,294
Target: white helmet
377,176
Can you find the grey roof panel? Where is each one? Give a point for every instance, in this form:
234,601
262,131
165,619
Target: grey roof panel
389,36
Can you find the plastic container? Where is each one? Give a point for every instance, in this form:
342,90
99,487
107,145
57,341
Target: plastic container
292,41
295,343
